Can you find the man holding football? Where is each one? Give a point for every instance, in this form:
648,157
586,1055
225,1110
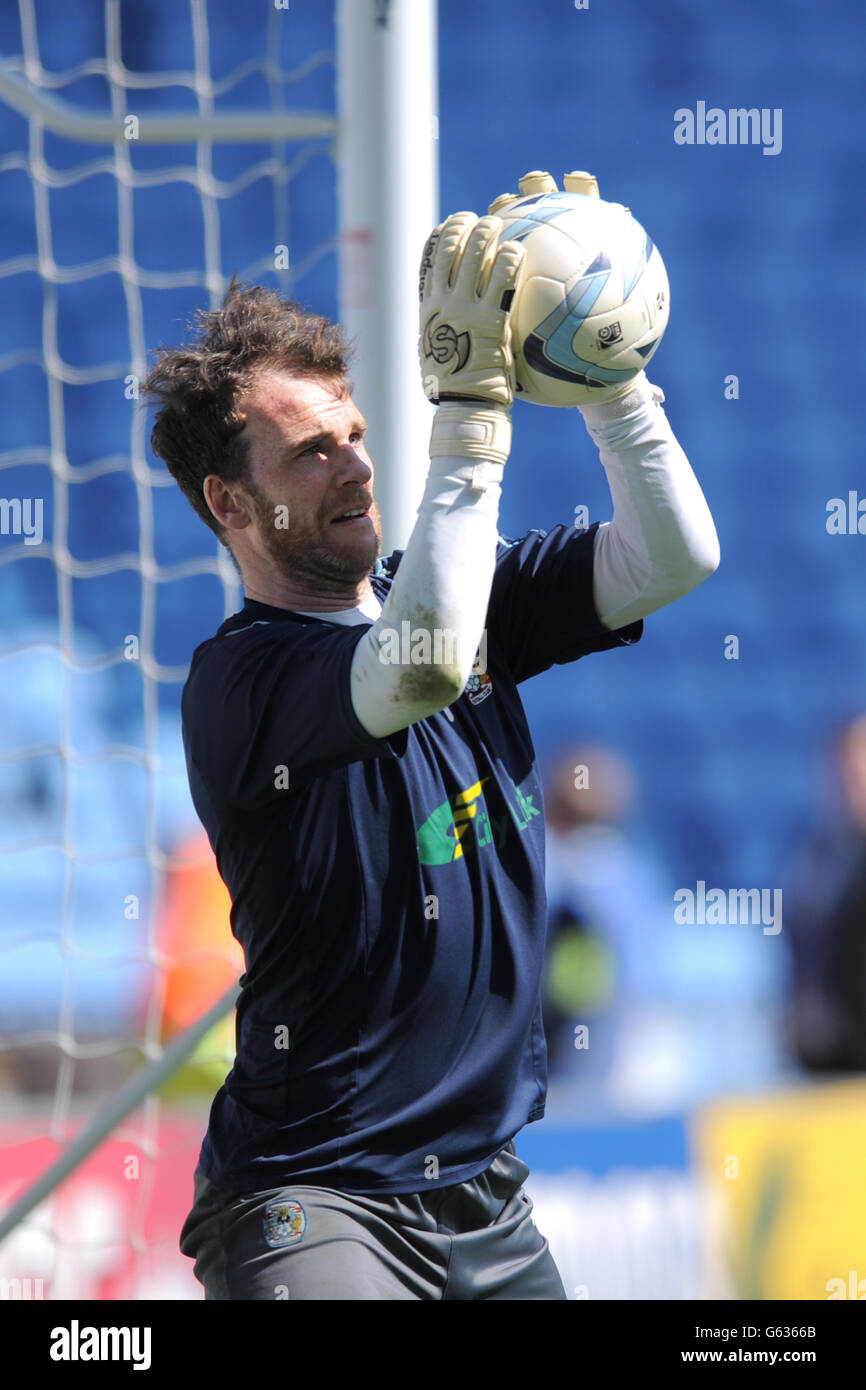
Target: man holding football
378,821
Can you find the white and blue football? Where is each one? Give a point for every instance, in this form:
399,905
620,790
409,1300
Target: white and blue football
593,301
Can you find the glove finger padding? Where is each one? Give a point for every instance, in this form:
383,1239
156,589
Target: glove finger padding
505,274
442,253
467,283
472,271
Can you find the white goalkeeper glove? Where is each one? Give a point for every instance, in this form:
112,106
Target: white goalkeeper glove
466,286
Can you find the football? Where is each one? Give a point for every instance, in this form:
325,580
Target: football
594,299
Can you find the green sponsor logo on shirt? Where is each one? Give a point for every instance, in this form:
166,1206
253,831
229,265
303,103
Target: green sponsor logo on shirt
464,821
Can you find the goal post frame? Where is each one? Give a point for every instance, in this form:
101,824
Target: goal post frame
388,171
386,138
386,151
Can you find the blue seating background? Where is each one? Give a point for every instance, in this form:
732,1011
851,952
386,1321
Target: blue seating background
765,257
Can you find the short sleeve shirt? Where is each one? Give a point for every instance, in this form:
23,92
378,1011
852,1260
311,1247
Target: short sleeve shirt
388,893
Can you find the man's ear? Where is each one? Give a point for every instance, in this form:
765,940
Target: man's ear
227,503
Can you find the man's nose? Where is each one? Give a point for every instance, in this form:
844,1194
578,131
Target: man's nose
355,465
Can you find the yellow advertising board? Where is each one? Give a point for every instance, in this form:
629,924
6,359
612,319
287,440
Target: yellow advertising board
785,1176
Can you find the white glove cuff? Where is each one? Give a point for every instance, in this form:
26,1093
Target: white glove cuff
471,431
641,393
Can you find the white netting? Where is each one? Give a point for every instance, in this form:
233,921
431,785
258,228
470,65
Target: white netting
105,598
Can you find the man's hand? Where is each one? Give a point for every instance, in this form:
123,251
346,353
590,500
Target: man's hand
467,283
539,181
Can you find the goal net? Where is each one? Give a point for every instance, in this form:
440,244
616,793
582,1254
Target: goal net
148,150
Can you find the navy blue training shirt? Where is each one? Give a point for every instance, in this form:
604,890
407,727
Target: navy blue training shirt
388,893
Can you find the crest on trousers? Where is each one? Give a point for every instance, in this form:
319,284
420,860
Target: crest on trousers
285,1223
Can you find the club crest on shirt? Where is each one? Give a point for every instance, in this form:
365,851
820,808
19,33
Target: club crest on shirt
285,1223
479,684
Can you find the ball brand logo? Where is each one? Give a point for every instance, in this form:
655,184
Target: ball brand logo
611,333
442,343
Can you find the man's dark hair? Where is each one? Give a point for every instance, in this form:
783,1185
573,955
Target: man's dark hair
199,386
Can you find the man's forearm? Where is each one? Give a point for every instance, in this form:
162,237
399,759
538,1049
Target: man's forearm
442,586
467,283
662,541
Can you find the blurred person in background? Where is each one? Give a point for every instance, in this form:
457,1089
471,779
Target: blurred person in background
826,919
199,961
607,938
644,1015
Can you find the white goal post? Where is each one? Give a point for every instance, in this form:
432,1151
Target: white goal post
388,180
384,138
386,134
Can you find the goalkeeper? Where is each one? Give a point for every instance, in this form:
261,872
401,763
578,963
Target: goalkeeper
359,756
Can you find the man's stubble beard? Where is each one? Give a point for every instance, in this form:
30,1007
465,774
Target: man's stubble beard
300,555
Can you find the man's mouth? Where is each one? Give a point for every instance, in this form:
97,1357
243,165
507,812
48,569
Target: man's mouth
346,518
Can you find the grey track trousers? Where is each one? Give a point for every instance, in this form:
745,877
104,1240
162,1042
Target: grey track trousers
474,1240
